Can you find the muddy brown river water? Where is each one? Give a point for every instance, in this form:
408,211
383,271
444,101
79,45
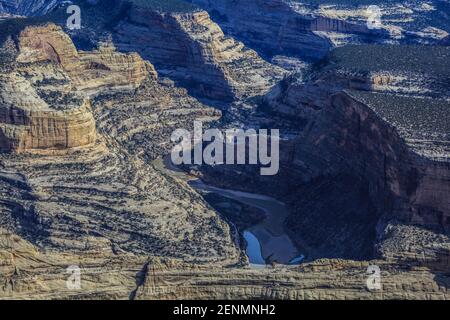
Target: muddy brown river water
267,240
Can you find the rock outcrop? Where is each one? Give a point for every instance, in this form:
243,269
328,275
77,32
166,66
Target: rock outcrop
191,49
321,280
88,71
364,170
184,45
28,123
45,104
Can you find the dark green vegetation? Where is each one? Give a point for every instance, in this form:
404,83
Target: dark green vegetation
416,117
11,27
166,5
348,3
431,60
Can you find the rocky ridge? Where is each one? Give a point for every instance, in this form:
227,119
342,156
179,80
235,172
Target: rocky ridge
196,53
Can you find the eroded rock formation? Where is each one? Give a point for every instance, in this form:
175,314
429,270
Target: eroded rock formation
363,160
193,50
106,199
45,104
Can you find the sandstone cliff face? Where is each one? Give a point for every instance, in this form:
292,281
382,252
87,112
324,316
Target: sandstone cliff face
94,189
45,104
47,130
104,205
307,30
28,123
321,280
193,50
87,70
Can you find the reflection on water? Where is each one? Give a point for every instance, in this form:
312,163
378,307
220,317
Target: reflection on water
266,241
253,249
297,260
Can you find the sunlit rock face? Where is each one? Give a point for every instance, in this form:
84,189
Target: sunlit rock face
29,123
87,70
45,104
192,49
274,27
79,131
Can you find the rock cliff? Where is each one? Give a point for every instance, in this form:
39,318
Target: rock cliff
103,197
45,102
308,29
87,70
368,153
274,27
191,49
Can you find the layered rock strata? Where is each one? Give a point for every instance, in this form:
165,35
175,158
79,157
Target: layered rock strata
27,271
191,49
103,199
356,163
45,103
88,71
273,27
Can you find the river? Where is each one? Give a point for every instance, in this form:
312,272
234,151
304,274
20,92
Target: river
267,241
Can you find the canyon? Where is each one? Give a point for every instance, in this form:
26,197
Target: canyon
86,117
282,30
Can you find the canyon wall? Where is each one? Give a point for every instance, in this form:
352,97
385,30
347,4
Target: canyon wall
350,170
273,27
191,49
46,105
97,120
